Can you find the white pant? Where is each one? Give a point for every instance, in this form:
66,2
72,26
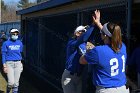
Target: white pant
121,89
71,83
14,71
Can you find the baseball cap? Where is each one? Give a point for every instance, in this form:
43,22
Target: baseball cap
14,30
80,28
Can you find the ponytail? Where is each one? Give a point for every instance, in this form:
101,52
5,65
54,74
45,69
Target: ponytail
116,38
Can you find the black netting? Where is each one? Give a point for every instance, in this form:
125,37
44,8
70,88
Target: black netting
47,36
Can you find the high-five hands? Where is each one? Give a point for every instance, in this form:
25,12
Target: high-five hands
96,16
96,19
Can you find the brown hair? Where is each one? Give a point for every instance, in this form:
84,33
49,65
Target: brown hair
116,39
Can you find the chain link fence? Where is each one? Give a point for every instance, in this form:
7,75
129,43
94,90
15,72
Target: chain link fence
46,38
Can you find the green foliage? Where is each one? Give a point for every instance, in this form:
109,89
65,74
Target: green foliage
39,1
3,6
24,4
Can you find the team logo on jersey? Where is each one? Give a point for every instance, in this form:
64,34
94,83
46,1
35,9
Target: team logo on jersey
14,47
82,49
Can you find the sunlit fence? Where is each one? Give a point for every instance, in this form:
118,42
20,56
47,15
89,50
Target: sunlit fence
7,26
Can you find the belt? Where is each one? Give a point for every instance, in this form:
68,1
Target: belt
16,60
75,74
13,60
101,87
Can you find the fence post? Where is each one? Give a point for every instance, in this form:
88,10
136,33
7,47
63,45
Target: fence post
129,20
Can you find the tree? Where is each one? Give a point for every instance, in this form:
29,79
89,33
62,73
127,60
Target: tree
39,1
3,6
9,10
25,4
9,14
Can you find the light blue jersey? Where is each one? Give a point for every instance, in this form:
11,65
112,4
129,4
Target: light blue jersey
109,69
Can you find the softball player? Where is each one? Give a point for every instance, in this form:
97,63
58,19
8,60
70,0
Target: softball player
72,75
109,60
11,59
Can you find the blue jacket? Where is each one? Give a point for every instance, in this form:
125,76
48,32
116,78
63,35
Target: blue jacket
11,50
73,55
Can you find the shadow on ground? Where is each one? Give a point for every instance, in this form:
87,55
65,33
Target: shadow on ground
25,85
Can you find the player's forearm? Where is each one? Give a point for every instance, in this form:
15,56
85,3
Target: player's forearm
99,25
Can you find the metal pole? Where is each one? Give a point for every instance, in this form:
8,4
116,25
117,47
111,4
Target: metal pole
0,11
129,22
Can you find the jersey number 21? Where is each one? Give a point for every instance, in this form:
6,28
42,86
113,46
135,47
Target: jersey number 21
114,68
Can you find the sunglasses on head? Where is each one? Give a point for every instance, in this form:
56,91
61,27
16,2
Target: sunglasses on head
14,34
82,31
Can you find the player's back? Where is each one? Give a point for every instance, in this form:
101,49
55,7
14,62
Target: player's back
110,71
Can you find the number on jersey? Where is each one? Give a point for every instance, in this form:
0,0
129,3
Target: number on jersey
114,68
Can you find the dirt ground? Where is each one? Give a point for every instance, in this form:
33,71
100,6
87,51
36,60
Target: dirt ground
25,85
2,83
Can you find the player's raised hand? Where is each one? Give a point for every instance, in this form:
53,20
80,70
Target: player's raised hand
96,17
